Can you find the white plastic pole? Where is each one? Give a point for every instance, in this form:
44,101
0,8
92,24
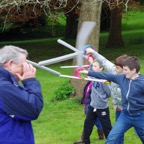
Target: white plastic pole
58,59
43,67
67,45
87,79
67,76
82,37
73,66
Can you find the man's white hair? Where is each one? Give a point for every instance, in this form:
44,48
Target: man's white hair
9,52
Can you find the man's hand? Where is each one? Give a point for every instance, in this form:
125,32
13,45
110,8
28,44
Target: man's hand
28,72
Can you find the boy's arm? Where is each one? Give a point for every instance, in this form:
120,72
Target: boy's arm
103,75
108,65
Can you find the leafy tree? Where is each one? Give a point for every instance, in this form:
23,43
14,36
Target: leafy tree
19,13
115,36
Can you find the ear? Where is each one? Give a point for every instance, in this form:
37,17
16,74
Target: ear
134,70
102,68
9,64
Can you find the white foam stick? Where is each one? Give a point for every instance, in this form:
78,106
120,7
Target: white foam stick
96,80
67,76
87,79
82,38
43,67
73,66
70,46
67,45
58,59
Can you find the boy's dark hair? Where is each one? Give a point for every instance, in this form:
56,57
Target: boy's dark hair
119,60
132,62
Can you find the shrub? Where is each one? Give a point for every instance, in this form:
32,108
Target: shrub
64,91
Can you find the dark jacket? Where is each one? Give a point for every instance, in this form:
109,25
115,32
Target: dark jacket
87,97
18,106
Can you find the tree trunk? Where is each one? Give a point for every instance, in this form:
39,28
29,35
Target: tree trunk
90,11
71,26
115,37
105,18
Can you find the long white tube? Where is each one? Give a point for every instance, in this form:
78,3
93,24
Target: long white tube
87,79
43,67
58,59
67,76
67,45
73,66
82,37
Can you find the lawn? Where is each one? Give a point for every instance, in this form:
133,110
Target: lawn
61,122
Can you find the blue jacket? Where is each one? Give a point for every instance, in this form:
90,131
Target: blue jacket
132,90
18,106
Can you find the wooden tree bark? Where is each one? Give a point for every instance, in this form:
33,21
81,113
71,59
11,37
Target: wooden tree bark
105,17
90,11
115,36
71,26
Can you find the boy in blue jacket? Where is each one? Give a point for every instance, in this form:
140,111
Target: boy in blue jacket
19,104
114,68
132,88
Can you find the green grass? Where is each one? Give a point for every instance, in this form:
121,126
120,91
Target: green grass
133,20
61,122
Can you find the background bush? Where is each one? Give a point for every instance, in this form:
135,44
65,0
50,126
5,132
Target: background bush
64,91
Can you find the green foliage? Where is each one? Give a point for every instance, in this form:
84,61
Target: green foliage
6,27
57,18
56,24
64,91
52,25
132,20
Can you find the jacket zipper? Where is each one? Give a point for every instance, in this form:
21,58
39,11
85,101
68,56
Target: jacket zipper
128,107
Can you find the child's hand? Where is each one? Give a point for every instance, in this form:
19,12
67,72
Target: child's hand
83,71
90,59
89,51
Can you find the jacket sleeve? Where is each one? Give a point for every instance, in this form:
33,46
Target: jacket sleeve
116,78
108,65
20,102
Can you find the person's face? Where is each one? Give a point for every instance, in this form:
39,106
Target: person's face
16,67
128,73
96,67
118,69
